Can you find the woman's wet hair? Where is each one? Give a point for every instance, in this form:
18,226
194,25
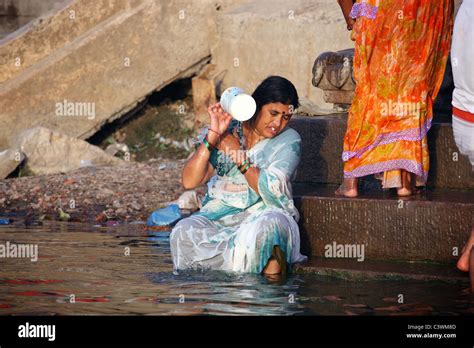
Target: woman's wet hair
274,89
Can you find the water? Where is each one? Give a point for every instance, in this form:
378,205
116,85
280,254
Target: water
90,265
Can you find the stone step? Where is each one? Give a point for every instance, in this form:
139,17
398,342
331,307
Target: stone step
382,270
430,226
323,139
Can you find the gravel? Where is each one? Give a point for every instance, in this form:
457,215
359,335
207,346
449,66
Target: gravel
96,194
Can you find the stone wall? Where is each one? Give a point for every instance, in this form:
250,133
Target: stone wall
16,13
111,54
265,37
108,57
27,8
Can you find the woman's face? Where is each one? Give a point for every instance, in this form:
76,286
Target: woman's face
272,119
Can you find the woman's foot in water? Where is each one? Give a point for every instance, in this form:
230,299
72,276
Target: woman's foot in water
276,263
272,268
463,262
348,188
406,190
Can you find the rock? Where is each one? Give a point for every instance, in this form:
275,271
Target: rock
121,212
95,192
9,161
309,108
120,136
137,206
188,144
188,120
49,152
189,200
104,193
333,73
87,202
204,94
113,149
76,67
165,141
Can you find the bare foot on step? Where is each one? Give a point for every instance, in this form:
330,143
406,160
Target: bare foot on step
348,188
463,262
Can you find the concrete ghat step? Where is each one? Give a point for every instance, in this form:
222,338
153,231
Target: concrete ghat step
425,227
380,270
322,151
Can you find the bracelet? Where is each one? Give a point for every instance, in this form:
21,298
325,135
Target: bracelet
242,164
208,146
212,130
247,167
218,140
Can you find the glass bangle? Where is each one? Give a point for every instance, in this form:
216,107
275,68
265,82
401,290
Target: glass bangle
242,165
206,143
247,167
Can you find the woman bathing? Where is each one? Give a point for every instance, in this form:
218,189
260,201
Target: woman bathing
248,222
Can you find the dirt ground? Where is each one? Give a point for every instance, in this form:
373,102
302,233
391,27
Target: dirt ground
150,180
94,194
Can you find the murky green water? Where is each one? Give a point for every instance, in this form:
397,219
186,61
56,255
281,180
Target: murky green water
82,269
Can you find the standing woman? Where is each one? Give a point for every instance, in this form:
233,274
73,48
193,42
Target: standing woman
248,221
401,50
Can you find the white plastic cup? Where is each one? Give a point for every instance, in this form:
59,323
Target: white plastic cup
238,104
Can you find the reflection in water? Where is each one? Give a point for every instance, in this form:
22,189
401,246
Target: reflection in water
125,269
216,292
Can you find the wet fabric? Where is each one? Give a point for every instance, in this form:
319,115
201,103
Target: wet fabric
400,56
462,55
236,229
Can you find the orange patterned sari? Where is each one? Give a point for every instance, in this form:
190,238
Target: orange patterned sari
401,51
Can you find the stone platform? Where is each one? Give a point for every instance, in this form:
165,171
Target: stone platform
323,139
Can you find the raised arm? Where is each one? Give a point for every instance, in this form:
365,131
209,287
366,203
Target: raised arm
198,170
346,7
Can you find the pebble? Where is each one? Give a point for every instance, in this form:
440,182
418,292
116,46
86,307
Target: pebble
135,205
121,212
144,184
